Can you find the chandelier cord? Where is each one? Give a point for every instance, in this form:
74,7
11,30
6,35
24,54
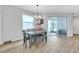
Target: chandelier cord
37,10
37,13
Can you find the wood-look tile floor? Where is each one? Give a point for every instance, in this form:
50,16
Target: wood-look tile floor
54,45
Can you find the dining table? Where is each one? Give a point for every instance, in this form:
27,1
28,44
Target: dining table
36,34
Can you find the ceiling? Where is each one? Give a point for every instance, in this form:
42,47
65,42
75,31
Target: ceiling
51,8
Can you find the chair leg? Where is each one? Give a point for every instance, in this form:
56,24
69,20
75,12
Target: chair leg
43,39
34,40
46,39
36,44
30,43
23,43
26,44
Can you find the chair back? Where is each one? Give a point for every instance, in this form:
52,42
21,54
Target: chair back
24,33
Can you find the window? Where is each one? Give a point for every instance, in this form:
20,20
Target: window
27,22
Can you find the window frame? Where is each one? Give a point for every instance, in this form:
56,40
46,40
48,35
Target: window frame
23,27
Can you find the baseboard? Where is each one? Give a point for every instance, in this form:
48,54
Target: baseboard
13,40
16,39
75,34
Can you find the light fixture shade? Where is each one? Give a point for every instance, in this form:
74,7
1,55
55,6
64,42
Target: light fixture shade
38,17
35,16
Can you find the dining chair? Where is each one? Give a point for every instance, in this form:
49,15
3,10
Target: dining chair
25,38
40,38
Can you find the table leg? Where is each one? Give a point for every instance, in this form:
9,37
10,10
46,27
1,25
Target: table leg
46,38
30,41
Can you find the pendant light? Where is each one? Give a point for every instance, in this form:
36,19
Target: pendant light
37,16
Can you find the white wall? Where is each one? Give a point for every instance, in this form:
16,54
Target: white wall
45,25
70,26
12,23
76,25
12,28
0,24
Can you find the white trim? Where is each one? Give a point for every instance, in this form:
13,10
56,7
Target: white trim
11,40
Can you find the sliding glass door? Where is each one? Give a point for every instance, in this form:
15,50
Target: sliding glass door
52,25
62,25
57,25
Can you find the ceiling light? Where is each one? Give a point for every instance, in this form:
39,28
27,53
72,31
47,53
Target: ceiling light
37,16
